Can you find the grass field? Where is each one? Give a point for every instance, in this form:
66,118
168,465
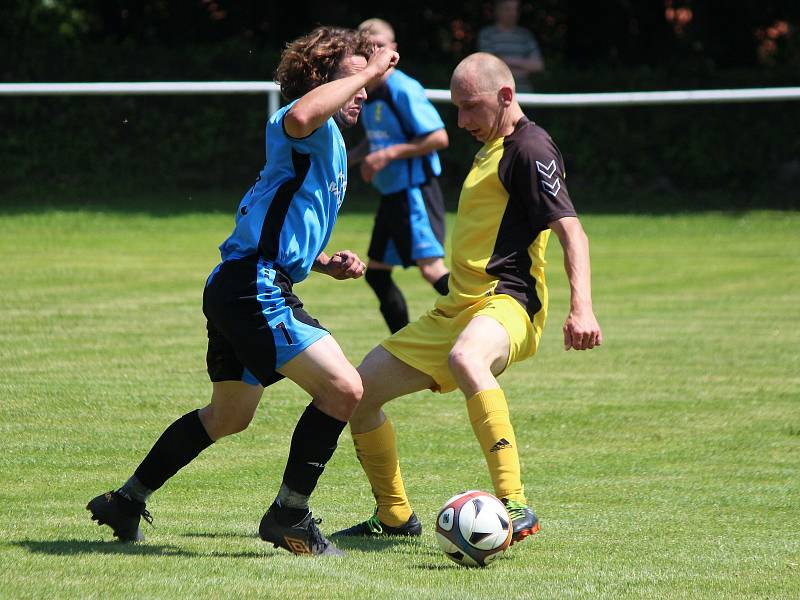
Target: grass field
664,464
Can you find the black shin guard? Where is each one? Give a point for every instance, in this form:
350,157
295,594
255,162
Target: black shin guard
180,443
441,285
313,443
393,304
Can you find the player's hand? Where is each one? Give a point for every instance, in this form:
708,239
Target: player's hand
582,331
382,60
374,162
345,265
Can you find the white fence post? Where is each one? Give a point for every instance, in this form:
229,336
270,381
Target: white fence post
273,102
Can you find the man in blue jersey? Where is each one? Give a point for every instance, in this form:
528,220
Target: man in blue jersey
398,156
258,331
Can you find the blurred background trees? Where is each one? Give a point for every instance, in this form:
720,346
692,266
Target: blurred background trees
747,151
656,33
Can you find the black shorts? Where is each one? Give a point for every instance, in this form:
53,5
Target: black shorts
409,226
255,322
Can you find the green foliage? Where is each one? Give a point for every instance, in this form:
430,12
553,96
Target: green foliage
617,158
662,465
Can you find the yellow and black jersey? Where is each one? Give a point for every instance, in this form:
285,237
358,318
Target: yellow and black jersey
513,190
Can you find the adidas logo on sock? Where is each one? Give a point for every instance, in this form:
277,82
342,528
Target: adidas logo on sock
501,444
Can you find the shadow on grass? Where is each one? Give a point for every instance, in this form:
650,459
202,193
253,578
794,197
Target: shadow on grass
403,545
225,534
442,567
75,547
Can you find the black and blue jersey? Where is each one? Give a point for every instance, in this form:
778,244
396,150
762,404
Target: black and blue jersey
288,215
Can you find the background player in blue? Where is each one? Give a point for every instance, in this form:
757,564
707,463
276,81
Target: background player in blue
258,331
398,156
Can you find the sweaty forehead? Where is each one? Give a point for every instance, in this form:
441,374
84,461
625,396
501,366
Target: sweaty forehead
465,88
352,64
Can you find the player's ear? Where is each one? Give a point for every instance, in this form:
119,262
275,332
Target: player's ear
505,96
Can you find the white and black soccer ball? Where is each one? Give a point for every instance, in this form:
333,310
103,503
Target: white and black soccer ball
473,528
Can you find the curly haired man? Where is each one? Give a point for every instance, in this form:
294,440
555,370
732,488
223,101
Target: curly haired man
258,330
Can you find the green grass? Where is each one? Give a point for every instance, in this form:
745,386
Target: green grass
664,464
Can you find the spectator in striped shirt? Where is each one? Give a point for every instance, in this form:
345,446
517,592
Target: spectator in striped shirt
515,45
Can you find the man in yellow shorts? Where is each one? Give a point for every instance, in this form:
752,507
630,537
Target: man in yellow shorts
511,200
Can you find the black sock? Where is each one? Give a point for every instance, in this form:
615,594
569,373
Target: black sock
441,284
393,304
180,443
313,443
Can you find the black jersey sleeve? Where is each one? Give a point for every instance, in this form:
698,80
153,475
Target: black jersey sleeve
532,171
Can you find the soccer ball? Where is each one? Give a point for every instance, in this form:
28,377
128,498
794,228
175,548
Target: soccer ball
473,528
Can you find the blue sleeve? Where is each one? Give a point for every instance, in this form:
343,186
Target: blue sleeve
317,140
417,113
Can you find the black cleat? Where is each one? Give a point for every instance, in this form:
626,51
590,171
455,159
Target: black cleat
303,538
373,527
121,514
523,521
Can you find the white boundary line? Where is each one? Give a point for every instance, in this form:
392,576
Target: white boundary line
273,91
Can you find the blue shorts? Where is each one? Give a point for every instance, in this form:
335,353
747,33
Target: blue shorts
255,323
409,226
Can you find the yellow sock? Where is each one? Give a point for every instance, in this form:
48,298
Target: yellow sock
488,413
377,452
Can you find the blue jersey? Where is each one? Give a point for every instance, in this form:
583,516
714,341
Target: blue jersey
395,113
288,215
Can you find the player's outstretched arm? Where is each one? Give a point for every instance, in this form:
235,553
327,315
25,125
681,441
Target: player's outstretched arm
342,265
318,105
581,330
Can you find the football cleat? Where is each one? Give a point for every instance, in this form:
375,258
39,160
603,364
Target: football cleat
303,538
121,514
524,522
373,527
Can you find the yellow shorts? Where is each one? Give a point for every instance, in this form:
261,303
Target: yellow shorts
426,343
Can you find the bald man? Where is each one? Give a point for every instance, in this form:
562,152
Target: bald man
512,198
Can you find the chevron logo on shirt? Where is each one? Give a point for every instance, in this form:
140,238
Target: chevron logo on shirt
549,177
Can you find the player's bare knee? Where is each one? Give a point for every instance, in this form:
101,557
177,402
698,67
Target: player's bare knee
462,360
353,394
346,392
219,424
239,423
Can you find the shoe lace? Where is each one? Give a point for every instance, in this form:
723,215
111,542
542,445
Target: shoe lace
147,517
315,535
374,524
515,508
